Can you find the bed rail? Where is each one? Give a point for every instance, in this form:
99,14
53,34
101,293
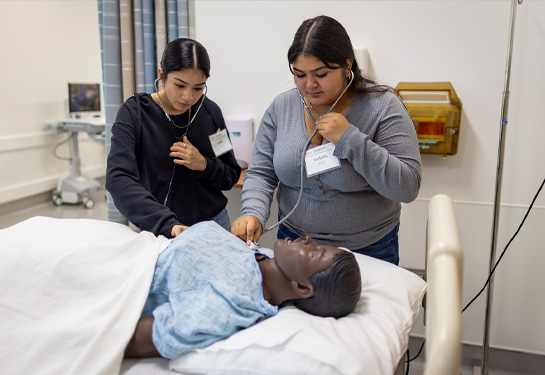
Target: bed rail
444,265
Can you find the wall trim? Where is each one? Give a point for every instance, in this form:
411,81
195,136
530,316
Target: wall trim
44,138
29,140
491,204
45,184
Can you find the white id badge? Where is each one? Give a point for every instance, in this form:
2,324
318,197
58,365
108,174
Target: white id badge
321,159
220,142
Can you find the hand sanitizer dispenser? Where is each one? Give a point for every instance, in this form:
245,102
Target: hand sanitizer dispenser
241,132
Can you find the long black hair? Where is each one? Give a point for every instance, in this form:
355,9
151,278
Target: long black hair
184,53
325,38
338,288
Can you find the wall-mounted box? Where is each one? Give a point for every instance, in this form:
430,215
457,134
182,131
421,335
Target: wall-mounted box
436,111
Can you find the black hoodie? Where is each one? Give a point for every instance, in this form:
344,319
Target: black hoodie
139,168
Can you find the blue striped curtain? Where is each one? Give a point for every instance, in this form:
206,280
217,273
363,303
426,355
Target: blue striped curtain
131,34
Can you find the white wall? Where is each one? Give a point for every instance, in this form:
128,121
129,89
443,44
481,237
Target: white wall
45,45
464,42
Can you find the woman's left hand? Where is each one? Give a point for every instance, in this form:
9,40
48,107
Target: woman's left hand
331,126
184,153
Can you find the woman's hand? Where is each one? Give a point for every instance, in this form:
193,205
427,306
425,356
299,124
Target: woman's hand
248,228
331,126
184,153
177,229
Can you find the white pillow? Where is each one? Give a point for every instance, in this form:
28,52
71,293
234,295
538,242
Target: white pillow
370,340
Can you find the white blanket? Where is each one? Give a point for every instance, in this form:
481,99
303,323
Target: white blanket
71,293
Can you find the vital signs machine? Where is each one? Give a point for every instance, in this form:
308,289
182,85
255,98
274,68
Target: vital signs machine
76,188
84,107
436,111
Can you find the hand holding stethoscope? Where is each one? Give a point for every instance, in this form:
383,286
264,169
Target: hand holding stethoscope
331,126
184,153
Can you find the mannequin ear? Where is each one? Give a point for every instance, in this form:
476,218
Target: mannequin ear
305,290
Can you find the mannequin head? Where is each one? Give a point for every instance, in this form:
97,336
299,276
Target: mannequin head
319,279
338,288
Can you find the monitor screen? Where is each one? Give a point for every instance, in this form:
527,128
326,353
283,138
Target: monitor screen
83,97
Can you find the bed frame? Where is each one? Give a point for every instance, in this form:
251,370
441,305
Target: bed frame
443,307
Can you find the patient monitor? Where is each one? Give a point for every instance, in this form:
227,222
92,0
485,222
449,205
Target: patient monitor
435,110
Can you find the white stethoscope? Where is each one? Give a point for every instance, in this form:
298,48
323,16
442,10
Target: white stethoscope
306,147
186,127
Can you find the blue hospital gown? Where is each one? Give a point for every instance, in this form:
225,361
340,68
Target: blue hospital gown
206,287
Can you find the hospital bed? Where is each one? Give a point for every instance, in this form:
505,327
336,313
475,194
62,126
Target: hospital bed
70,303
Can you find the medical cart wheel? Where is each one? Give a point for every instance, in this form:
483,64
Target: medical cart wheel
88,203
57,200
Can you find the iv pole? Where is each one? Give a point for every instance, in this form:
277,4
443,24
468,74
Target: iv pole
503,124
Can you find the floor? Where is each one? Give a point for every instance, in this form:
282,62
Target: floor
501,362
42,205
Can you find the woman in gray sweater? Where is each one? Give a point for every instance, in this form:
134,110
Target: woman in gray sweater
362,158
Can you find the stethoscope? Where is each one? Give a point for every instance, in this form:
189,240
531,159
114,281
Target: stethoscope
306,148
167,115
186,127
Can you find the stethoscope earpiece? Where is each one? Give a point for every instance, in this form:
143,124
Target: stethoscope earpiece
156,84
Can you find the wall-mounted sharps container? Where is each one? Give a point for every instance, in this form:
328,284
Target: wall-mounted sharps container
435,110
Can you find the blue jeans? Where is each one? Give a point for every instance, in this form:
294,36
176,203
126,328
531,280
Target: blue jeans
222,218
387,248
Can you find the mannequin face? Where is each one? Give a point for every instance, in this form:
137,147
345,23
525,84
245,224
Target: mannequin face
182,89
302,258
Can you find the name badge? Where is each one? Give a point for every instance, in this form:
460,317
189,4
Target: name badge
220,142
321,159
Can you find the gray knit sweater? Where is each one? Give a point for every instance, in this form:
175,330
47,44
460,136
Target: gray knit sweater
352,206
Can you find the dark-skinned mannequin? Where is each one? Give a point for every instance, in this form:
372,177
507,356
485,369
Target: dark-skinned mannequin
285,278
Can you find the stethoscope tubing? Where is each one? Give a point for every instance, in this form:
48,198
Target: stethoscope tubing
167,115
172,123
305,151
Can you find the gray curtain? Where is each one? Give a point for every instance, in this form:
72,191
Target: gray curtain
133,35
